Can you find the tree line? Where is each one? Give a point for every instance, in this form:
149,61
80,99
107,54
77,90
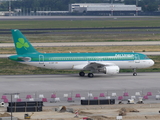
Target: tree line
62,5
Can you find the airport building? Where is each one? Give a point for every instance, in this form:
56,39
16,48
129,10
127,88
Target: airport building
103,8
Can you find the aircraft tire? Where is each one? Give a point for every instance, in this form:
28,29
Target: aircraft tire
134,74
90,75
81,74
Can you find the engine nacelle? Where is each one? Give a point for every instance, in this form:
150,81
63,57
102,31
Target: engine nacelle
111,70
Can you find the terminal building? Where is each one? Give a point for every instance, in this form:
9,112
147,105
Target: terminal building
107,8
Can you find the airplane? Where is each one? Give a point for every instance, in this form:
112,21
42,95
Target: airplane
108,63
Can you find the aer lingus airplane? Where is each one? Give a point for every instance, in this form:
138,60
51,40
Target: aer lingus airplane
108,63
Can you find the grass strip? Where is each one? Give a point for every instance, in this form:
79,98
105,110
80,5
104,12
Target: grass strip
23,24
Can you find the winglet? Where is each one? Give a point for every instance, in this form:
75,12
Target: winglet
22,45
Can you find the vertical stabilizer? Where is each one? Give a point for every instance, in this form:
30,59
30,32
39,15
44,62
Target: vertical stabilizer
22,45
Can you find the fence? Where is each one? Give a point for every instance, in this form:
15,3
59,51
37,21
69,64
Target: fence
70,97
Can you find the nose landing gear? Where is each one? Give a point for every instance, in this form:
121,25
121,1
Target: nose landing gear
134,72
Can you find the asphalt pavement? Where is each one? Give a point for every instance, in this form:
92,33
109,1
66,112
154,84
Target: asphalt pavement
72,84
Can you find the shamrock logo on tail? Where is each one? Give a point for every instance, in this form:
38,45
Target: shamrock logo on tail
22,43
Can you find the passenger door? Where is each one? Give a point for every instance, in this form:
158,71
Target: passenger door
41,59
137,58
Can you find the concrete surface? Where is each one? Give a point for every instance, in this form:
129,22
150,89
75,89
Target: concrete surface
87,44
72,84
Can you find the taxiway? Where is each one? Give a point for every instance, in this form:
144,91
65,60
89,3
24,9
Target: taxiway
72,82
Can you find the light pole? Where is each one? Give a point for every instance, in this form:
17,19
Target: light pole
136,7
9,8
112,8
11,99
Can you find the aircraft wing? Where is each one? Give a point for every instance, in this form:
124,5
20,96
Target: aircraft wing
104,67
92,66
96,65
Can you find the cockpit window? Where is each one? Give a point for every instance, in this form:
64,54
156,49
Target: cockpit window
146,57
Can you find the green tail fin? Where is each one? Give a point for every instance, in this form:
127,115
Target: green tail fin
22,45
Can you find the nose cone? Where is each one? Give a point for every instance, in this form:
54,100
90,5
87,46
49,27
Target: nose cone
151,62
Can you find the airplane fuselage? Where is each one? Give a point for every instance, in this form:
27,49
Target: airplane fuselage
69,61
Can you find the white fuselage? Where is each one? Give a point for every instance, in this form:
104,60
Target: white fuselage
69,65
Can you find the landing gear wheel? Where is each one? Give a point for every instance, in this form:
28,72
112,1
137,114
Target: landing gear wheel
90,75
81,74
134,74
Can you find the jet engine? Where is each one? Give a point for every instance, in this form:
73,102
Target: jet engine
110,70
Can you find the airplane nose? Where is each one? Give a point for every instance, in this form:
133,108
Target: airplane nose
151,62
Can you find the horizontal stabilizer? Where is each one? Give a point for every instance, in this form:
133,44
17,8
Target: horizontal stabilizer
25,58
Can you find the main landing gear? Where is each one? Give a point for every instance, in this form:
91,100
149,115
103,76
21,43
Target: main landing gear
82,74
90,75
134,72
